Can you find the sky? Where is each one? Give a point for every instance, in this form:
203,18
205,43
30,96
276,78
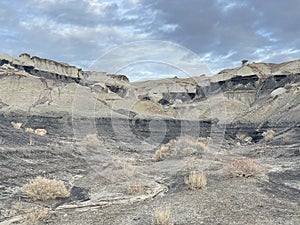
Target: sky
219,33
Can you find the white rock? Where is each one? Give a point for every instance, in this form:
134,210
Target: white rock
278,91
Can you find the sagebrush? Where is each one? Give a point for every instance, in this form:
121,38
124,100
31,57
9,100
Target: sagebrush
245,167
136,188
181,146
162,217
44,189
35,215
196,180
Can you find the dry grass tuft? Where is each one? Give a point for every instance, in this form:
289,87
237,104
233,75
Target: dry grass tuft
136,189
29,130
181,146
268,135
128,169
163,152
36,215
44,189
196,180
40,132
92,141
245,167
16,125
162,217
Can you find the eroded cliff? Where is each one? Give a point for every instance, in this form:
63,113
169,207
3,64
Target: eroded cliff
249,97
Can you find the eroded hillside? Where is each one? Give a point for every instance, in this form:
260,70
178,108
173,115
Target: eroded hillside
213,150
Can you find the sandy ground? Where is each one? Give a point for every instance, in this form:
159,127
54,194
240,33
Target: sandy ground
99,180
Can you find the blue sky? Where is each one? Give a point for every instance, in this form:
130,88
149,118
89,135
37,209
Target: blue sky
220,32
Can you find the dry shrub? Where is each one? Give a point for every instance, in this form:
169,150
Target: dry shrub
245,167
29,130
268,135
191,142
181,146
162,217
40,132
136,189
163,152
45,189
36,215
128,168
16,125
196,180
192,164
92,141
16,208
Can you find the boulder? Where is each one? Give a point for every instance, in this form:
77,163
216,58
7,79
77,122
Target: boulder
278,91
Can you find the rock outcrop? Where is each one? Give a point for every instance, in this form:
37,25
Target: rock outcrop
39,66
253,94
119,77
262,70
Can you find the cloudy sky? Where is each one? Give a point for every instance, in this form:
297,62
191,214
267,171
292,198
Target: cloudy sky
220,32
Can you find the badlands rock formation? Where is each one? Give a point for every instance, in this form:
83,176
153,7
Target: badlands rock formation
48,109
39,66
239,91
252,97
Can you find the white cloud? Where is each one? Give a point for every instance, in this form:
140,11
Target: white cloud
269,54
266,34
97,7
168,28
100,33
227,5
134,2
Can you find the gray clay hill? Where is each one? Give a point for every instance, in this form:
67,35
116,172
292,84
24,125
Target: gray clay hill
86,147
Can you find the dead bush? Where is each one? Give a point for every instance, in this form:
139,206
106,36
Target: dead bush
181,146
162,217
35,215
268,135
44,189
245,167
16,125
29,130
128,168
136,189
196,180
16,208
92,141
40,132
163,152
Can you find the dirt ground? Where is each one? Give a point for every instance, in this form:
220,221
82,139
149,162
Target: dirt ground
99,178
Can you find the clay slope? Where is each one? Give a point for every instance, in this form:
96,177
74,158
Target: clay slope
256,93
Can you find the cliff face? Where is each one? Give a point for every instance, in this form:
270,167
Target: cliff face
241,98
33,65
